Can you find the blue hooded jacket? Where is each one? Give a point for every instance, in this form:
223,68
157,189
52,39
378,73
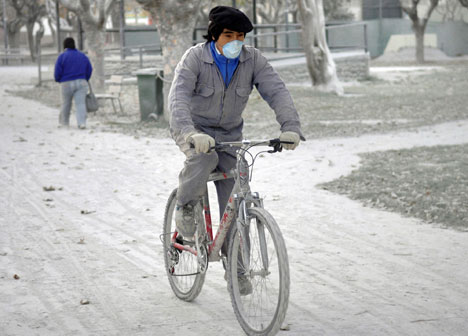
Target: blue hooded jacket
72,64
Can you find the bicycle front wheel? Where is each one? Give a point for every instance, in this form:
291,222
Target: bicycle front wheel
259,256
182,267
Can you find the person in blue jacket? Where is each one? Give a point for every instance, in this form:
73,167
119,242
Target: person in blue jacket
73,71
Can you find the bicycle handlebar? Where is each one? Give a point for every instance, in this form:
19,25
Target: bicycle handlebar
275,143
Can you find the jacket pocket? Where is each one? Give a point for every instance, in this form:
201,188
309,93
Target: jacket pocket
242,96
201,100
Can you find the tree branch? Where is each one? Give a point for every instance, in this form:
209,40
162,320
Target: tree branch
85,6
70,5
433,5
108,6
411,11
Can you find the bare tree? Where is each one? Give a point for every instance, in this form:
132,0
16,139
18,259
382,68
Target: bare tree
410,7
449,9
33,13
25,13
175,21
336,10
14,23
272,11
93,15
320,63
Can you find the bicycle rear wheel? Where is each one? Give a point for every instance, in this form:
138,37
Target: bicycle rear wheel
263,311
182,267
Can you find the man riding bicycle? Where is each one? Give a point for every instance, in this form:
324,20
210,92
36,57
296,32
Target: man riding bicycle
210,90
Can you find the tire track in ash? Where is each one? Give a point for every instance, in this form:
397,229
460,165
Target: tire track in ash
337,260
57,249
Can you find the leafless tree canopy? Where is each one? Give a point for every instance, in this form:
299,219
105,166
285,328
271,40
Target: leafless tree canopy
449,10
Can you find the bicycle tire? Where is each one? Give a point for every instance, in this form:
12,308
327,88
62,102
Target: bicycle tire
264,310
185,279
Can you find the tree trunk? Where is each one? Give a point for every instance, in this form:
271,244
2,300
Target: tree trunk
419,35
30,32
52,30
95,40
115,19
13,31
14,39
175,38
320,63
175,21
38,38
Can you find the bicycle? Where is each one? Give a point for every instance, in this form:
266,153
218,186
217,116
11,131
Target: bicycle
256,248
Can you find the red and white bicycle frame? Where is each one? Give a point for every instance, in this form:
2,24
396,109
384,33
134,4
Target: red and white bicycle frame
235,208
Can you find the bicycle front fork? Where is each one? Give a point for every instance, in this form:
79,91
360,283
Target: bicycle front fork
243,227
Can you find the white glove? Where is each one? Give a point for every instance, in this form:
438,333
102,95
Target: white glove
201,141
291,137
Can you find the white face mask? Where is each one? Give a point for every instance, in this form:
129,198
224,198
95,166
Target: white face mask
233,49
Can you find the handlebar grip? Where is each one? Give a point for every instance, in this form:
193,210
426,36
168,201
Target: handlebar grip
277,141
212,148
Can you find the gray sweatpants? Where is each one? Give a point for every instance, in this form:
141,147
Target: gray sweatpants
194,176
197,169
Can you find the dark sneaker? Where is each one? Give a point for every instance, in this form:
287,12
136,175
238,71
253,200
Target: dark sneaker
184,219
245,286
82,127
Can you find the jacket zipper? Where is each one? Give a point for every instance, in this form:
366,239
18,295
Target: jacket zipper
225,87
227,73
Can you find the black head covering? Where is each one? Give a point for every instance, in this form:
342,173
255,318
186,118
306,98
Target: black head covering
69,43
230,18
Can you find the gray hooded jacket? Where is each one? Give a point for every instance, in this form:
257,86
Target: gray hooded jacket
199,100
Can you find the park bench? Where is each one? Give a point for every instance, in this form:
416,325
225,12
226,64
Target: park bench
113,92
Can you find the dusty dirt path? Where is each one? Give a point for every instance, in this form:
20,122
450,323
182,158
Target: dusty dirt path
354,270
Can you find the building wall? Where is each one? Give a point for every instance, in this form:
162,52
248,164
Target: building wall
452,37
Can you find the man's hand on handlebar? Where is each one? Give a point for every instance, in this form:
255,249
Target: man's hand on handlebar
201,142
290,140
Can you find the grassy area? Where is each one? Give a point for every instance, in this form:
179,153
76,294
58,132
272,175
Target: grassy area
373,106
430,183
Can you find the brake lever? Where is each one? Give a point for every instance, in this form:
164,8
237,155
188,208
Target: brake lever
276,147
